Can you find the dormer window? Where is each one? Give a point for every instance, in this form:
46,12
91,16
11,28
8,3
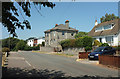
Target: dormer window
106,27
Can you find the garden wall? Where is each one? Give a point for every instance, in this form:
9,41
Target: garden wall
47,49
109,60
73,50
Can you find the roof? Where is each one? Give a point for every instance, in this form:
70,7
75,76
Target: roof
62,27
31,38
112,31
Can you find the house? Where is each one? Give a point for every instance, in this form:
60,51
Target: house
35,41
58,33
107,32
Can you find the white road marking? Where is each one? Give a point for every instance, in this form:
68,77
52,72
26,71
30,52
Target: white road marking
28,63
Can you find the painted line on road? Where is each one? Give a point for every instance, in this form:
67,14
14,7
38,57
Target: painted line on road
28,63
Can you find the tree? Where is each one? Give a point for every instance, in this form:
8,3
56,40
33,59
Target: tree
10,42
81,34
10,14
108,17
20,45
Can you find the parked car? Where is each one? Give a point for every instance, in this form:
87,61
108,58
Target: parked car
102,51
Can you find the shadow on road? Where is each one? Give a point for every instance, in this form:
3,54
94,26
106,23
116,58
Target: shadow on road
17,73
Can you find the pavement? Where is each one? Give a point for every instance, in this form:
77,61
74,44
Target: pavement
31,64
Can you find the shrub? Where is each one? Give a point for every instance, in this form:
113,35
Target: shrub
88,48
104,44
43,43
5,49
96,43
27,48
79,42
20,45
87,41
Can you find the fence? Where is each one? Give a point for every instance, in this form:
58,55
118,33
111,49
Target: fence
83,55
109,60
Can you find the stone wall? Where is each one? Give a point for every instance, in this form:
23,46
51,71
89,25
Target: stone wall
73,50
47,49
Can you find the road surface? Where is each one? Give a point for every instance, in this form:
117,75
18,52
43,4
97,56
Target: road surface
67,65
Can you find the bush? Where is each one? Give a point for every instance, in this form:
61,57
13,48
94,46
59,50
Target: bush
85,41
96,43
20,45
5,49
104,44
27,48
43,43
88,48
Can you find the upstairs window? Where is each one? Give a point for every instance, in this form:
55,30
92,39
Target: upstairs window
106,27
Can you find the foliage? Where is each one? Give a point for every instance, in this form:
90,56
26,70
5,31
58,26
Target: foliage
20,45
85,41
10,42
108,17
79,42
43,43
12,12
27,48
88,48
5,49
81,34
65,43
104,44
96,43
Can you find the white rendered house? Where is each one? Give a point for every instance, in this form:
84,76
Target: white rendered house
107,32
34,41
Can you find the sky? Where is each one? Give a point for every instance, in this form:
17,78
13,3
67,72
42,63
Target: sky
82,16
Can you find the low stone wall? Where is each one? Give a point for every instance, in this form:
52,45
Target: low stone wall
109,60
73,50
47,49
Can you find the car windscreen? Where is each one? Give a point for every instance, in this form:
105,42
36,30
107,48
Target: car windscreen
99,49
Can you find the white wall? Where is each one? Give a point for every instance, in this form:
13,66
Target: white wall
116,39
30,42
39,41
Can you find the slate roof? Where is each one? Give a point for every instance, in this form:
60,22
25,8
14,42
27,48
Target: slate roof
62,27
112,31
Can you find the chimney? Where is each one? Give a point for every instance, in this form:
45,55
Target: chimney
67,23
56,25
96,23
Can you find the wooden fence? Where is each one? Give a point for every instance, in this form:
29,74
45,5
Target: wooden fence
109,60
83,55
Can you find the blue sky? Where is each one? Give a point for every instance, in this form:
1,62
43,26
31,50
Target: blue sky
81,15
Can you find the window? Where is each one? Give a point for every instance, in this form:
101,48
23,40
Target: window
109,39
63,33
107,27
98,28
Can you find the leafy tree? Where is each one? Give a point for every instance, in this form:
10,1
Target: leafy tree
20,45
10,14
10,42
81,34
108,17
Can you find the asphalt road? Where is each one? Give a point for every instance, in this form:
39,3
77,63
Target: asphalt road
69,66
